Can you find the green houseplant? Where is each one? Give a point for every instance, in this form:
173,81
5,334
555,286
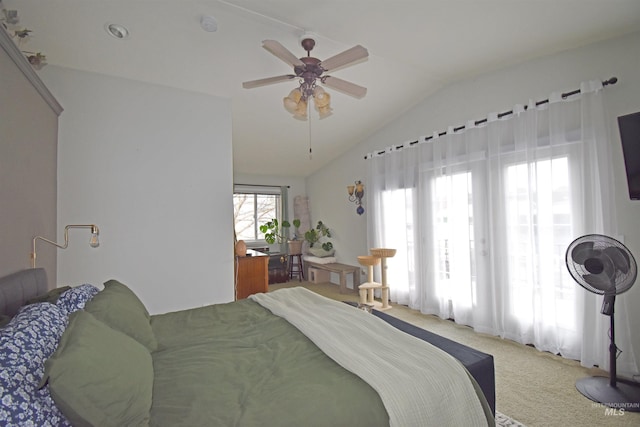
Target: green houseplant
274,231
314,236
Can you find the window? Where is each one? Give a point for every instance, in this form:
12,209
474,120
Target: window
254,206
397,206
539,217
453,237
486,215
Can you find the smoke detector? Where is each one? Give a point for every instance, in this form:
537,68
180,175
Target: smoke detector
208,23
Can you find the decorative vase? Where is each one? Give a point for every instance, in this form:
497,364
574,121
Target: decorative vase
241,248
295,247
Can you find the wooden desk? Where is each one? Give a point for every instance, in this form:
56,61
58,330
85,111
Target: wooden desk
252,274
341,269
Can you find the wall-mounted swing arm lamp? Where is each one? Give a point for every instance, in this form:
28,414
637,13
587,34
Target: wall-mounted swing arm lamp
356,193
93,242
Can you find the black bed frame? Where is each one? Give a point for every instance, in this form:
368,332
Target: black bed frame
479,364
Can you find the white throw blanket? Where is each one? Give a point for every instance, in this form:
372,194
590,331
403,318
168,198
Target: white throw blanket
419,384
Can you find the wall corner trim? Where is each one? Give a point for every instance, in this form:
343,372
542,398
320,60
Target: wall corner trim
27,70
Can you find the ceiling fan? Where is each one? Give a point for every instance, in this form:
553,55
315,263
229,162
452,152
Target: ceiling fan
311,71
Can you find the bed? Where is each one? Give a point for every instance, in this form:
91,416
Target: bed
291,357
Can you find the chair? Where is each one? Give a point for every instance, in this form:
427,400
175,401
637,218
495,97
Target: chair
295,267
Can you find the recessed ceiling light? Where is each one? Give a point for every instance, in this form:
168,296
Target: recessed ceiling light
116,30
208,23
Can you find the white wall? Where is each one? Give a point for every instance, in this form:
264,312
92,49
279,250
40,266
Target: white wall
152,167
473,99
329,202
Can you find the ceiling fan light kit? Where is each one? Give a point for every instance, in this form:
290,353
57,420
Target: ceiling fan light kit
310,73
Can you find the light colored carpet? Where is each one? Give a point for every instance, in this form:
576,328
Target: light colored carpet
533,387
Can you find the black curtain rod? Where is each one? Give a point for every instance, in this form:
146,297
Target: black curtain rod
263,185
611,81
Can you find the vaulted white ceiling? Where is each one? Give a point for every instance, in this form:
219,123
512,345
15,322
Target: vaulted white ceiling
415,48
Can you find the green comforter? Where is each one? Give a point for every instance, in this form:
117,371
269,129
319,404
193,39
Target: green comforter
237,364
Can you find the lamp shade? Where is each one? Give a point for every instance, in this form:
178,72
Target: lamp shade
289,104
296,95
301,110
325,112
322,99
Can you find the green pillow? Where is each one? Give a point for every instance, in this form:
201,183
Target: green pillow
99,376
117,306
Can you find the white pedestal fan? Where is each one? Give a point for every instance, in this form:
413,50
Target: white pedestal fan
604,266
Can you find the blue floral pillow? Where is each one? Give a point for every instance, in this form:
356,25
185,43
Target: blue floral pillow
75,298
26,342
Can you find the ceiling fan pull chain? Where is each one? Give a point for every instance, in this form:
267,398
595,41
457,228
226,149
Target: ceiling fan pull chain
309,118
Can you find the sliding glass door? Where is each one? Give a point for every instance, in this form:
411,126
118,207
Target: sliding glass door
481,219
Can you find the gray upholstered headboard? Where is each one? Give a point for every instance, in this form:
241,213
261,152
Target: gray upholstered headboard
19,287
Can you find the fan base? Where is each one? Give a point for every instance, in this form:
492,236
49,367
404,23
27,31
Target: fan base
624,396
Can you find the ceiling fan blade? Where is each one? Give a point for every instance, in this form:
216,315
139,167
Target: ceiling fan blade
269,80
345,86
282,52
347,57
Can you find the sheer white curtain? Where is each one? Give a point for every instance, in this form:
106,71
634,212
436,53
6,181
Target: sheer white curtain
481,219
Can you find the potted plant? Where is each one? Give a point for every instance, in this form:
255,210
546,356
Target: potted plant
314,236
295,245
274,231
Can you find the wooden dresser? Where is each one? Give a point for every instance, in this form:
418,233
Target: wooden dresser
252,274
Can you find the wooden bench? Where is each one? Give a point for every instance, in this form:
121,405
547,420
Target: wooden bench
341,269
